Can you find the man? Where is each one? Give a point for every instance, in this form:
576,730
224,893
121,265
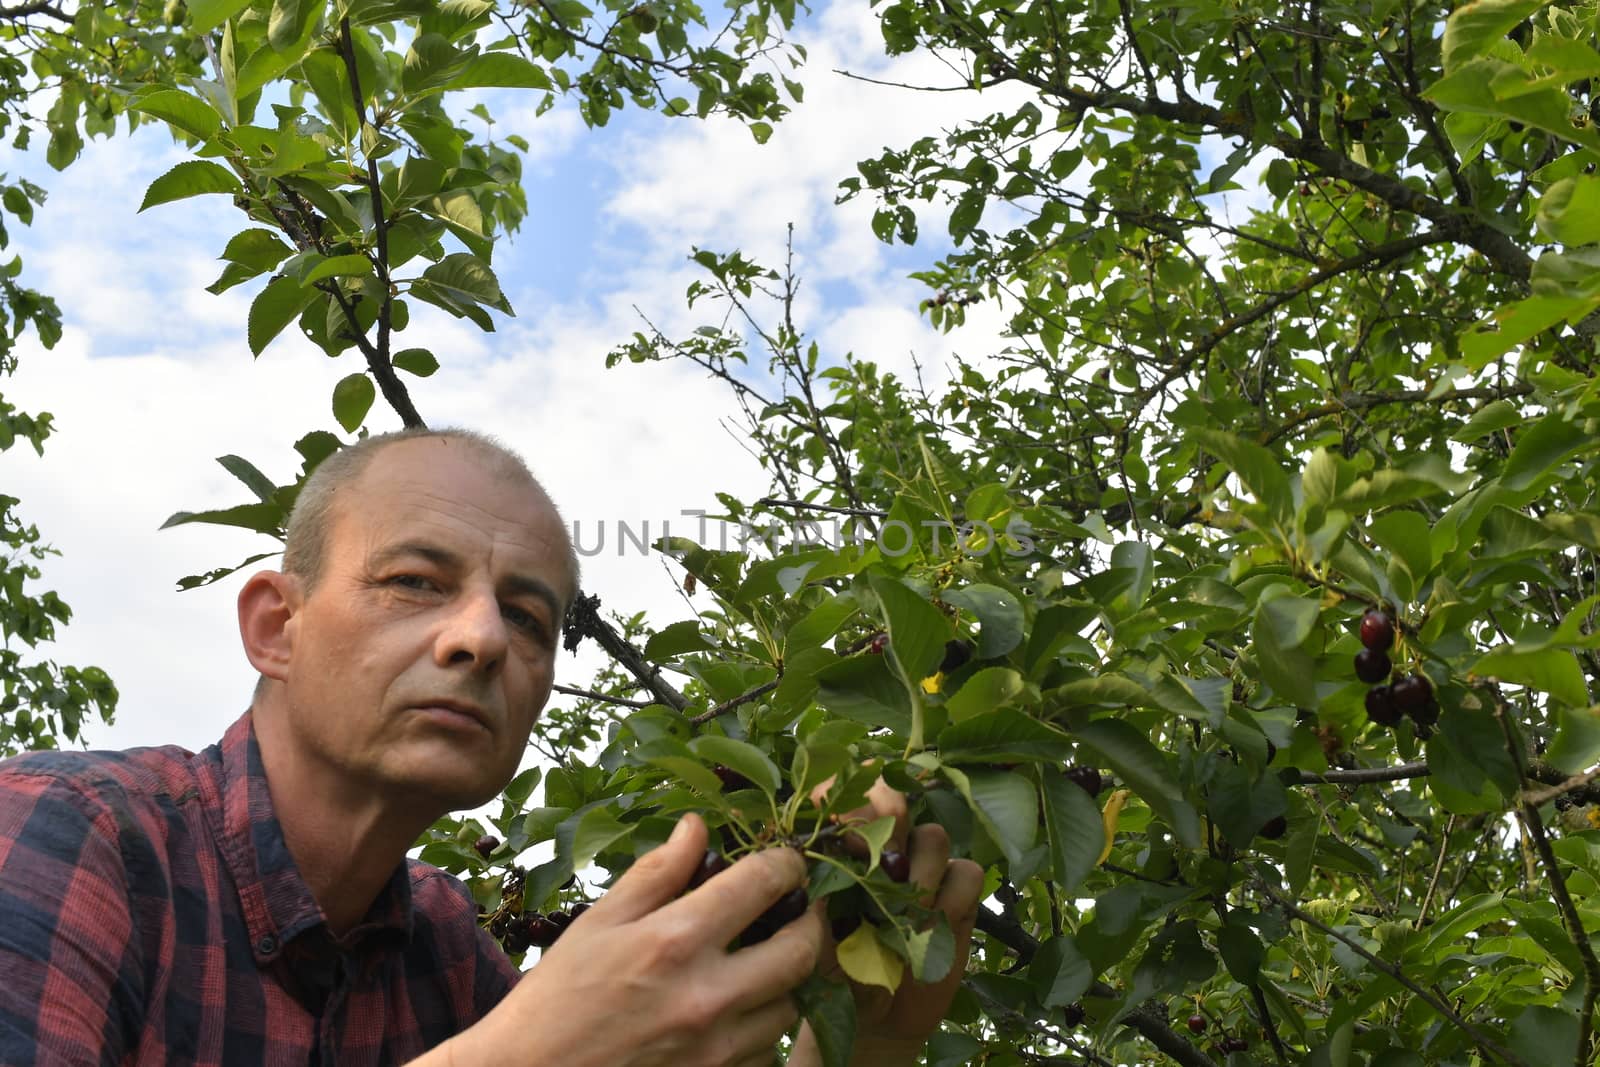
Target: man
253,904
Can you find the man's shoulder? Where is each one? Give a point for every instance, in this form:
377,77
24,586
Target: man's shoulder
439,896
102,778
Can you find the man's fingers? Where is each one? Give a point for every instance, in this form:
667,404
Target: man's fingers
771,968
655,878
958,898
734,899
884,799
930,854
754,1035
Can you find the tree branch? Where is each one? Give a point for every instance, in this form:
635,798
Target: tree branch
378,362
589,694
743,698
1570,918
1371,257
1485,1043
1011,934
35,7
583,620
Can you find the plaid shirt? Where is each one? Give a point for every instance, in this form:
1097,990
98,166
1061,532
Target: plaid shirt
150,913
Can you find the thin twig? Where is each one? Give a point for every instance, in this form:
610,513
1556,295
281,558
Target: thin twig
589,694
729,705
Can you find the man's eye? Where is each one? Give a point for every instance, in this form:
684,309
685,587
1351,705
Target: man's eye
411,581
524,620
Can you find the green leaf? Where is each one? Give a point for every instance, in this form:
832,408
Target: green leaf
1281,627
1142,766
467,278
1475,28
258,250
254,480
1515,323
739,756
999,615
1569,211
1241,950
288,21
1543,1034
1077,833
598,829
1576,746
1444,936
262,518
430,63
917,630
1005,804
1059,974
1541,447
1000,736
337,267
830,1010
1549,670
192,178
964,218
867,960
985,691
183,111
1256,467
279,304
352,399
1240,805
207,15
1493,417
418,361
675,640
502,70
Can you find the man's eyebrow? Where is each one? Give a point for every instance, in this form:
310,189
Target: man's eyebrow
516,584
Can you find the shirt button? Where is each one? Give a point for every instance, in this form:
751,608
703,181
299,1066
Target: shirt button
267,945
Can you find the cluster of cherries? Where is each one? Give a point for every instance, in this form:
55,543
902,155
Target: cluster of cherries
1197,1025
1411,695
897,865
520,932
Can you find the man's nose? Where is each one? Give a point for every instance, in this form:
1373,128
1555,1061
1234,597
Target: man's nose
475,632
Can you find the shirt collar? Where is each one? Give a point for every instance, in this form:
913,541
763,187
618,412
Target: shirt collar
274,899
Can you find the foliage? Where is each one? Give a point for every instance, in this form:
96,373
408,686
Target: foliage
1225,427
1228,420
83,63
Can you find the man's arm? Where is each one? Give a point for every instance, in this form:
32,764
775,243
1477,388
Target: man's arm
69,973
643,978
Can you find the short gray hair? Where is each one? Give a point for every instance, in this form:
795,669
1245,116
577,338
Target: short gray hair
306,539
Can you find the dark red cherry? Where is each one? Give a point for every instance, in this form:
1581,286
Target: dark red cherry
1372,666
1381,707
897,865
1377,631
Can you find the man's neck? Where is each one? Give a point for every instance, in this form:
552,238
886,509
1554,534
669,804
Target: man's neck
346,839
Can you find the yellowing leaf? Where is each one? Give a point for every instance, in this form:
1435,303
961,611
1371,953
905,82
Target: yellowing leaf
869,961
932,682
1112,813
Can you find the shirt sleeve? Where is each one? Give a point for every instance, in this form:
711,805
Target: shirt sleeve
69,974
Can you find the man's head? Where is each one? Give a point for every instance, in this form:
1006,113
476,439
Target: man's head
409,643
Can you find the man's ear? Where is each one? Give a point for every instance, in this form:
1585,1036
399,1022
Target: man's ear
268,604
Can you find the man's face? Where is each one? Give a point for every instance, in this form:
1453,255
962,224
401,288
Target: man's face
421,659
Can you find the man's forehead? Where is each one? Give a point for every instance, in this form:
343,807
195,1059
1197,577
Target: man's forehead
420,493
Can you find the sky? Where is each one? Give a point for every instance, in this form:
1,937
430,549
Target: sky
152,378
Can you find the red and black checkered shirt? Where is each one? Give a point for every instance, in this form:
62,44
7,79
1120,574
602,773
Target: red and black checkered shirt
150,913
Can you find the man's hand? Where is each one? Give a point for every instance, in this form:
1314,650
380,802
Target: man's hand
891,1029
644,978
